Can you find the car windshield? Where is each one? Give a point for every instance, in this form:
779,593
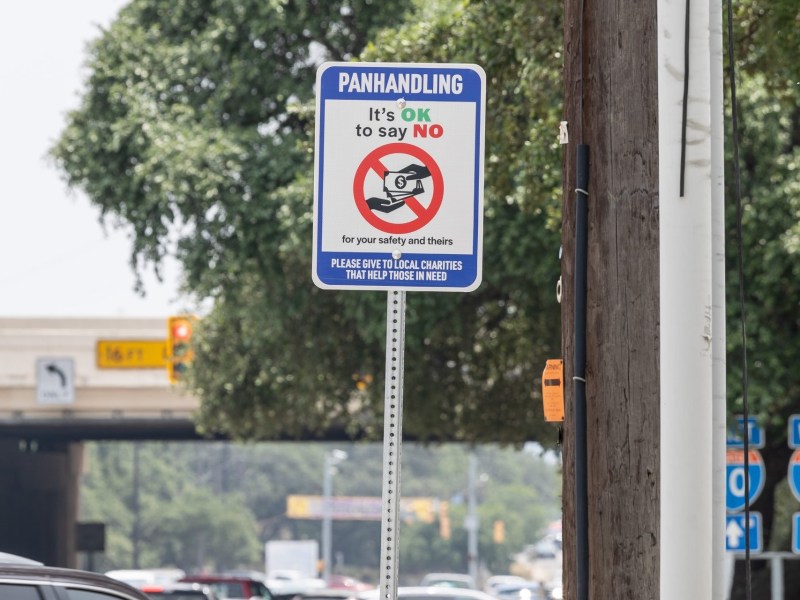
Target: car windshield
260,590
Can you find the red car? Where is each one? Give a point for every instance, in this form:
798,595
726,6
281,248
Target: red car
232,587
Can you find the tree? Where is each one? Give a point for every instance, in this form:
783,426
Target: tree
213,504
181,522
195,132
203,531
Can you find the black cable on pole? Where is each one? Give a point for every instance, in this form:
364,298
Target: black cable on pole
579,378
684,119
740,251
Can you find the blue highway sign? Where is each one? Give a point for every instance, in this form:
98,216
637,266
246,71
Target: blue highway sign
794,431
734,476
735,538
796,533
754,431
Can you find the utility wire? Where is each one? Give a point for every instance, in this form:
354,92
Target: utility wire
685,98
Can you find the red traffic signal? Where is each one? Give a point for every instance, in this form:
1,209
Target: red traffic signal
179,349
181,329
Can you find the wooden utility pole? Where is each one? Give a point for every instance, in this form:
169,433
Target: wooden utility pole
648,359
611,105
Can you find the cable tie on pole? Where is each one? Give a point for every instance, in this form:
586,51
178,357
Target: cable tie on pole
576,378
584,192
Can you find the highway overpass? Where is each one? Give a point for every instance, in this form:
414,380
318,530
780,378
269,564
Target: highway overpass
89,378
63,381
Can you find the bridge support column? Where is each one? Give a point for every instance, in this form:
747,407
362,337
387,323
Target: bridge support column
39,487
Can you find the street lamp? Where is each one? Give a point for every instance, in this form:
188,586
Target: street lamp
332,458
472,523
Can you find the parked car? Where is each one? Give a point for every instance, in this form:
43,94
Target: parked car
495,581
430,593
527,590
33,582
8,558
232,587
343,582
458,580
328,594
287,583
139,578
180,591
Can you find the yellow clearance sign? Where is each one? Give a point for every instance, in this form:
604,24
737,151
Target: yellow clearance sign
360,508
131,354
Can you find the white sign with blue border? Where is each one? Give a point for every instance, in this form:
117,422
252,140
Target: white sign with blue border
794,431
398,189
793,474
735,535
796,533
755,433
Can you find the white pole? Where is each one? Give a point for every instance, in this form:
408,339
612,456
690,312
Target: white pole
776,577
327,484
332,458
719,393
685,253
472,517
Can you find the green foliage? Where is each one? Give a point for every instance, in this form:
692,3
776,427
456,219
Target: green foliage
205,530
178,521
186,125
770,156
196,132
212,505
767,35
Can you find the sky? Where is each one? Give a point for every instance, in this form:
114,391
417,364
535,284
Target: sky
56,258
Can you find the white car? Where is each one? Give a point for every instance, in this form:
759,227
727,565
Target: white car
431,593
457,580
139,578
495,581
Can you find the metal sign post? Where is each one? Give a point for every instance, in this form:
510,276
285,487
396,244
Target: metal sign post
392,441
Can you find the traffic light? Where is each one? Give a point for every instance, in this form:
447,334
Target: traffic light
444,521
363,380
179,347
499,532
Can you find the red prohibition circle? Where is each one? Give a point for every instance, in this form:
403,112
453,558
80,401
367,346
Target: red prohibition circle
372,162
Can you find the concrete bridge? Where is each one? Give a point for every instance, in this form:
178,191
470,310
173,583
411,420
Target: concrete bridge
64,381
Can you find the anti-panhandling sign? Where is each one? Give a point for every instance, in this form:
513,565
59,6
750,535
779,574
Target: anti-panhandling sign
398,190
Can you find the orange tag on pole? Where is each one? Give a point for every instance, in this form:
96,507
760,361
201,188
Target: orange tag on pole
553,390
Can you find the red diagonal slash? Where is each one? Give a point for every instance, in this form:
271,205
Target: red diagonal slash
374,162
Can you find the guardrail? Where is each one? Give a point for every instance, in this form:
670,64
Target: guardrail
775,559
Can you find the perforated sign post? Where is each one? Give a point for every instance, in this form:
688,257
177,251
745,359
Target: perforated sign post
398,191
398,205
